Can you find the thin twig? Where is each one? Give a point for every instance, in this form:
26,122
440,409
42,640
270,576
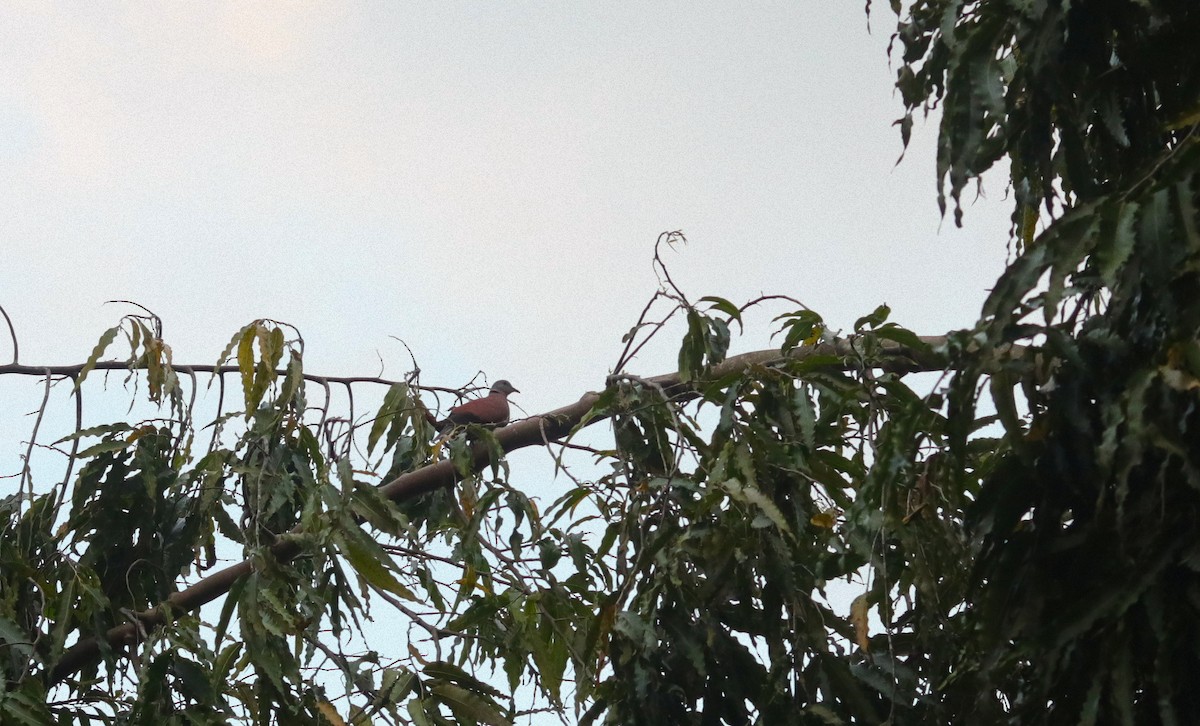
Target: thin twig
26,472
78,393
12,333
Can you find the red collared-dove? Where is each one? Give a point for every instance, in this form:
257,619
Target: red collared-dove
491,409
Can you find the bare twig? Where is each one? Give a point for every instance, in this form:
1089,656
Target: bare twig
78,393
12,333
26,472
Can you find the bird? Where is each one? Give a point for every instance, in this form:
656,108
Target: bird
491,409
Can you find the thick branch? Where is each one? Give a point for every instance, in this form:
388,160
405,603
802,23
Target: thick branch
539,429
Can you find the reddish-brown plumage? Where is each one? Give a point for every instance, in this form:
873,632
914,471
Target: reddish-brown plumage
491,409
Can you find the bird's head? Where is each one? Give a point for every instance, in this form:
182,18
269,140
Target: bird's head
503,387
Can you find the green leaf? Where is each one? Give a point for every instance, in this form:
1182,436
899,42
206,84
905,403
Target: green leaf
105,447
720,303
365,556
802,326
753,495
96,431
447,671
192,681
89,365
12,637
903,336
416,711
394,401
293,382
1116,243
693,348
231,600
468,706
550,655
397,684
245,360
874,320
223,665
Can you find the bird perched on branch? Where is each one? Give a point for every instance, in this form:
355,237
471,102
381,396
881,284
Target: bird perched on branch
491,409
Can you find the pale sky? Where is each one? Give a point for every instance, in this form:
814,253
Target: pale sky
483,180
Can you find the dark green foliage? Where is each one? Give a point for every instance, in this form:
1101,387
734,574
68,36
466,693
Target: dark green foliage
1076,527
726,542
1080,98
1089,524
1085,594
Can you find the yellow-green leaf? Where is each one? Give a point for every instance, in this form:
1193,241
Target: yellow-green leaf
858,618
330,713
105,340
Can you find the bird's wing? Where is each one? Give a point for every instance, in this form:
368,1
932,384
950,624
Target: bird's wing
486,410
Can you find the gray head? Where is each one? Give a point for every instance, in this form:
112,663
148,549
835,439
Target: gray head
503,387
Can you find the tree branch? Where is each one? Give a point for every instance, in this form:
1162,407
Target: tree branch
115,365
538,429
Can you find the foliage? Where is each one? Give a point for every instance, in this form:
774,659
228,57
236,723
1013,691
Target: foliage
146,512
1085,594
1081,99
1019,538
726,543
698,552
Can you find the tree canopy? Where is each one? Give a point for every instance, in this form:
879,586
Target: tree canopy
1020,536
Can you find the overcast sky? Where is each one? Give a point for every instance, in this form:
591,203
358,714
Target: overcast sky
483,180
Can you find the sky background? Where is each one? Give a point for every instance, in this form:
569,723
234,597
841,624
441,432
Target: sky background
484,181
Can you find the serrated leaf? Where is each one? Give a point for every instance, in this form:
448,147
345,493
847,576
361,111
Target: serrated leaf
467,705
394,401
245,359
806,417
105,447
367,564
755,496
1116,243
89,365
96,431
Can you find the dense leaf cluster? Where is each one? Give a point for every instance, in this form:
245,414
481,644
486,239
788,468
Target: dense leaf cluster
707,545
730,534
1085,596
151,508
1080,98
